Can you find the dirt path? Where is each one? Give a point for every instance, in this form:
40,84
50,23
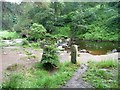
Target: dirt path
17,55
76,81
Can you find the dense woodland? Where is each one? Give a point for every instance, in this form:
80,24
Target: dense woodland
88,21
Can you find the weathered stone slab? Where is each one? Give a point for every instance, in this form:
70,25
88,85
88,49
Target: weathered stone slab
74,53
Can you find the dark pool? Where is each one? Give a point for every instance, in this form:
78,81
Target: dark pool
98,48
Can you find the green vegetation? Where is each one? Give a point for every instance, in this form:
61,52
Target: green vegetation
39,78
49,58
35,45
42,24
62,31
25,42
8,35
37,32
102,74
14,81
84,20
1,44
107,64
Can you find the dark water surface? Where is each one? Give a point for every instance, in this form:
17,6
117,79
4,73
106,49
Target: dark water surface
98,48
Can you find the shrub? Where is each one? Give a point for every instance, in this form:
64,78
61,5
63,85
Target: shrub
37,32
8,35
49,57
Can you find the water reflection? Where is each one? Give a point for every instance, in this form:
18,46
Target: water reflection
98,48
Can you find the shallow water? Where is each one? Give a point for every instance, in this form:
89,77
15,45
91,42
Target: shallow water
98,48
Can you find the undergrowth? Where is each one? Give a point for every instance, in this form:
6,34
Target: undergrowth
38,77
102,74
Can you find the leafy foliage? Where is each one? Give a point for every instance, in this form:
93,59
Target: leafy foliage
92,21
37,32
49,57
43,16
8,35
9,13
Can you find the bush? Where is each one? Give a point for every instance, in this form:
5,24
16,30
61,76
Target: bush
37,32
49,57
8,35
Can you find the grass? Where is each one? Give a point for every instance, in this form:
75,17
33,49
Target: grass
1,44
102,74
107,64
5,35
35,45
8,35
15,81
37,77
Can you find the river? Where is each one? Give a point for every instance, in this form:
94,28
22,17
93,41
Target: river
98,48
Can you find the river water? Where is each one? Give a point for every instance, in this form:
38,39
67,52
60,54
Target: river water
98,48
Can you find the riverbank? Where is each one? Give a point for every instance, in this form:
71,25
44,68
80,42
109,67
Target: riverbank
86,57
96,40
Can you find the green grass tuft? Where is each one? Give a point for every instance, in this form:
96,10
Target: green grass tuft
102,74
107,64
14,81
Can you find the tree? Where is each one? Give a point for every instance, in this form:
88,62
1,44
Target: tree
9,15
50,58
23,21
